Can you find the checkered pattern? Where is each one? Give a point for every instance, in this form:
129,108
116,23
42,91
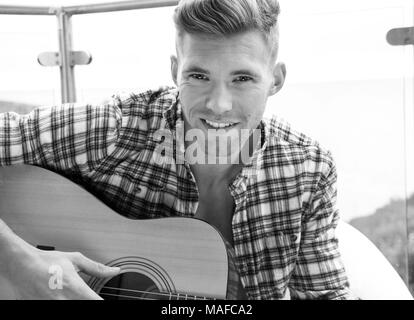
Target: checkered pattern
285,216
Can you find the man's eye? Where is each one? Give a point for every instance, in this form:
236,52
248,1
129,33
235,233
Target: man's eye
198,76
243,79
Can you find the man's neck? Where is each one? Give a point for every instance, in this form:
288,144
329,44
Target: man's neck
215,174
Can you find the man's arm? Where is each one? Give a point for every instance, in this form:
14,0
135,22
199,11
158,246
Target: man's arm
66,137
319,272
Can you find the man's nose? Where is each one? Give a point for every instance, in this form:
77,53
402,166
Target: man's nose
219,100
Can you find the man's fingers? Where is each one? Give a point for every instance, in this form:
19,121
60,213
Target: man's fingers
84,292
87,293
91,267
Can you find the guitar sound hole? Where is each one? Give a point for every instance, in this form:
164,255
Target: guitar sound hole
131,286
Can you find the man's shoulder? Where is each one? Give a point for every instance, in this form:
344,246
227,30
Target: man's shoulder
281,132
286,141
146,104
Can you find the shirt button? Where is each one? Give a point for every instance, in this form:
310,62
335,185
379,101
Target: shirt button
294,237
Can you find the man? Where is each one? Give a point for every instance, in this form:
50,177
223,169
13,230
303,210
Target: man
271,195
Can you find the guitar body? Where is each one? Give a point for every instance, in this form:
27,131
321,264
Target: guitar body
169,258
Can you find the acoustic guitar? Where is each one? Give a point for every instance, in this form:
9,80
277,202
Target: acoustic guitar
168,258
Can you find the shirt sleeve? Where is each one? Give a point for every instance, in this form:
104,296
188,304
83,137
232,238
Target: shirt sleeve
66,137
319,272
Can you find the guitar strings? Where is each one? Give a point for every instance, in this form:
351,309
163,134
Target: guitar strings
125,296
164,294
161,294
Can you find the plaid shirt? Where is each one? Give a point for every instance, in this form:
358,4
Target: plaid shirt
284,218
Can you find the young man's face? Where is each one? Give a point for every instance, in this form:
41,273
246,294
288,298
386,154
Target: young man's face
224,83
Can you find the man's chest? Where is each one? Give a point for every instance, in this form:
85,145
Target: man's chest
216,207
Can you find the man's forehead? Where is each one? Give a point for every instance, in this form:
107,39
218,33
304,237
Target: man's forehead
251,44
220,40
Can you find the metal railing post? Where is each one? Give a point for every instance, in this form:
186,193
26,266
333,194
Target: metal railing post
67,70
404,37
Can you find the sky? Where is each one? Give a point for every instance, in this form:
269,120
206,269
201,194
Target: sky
345,86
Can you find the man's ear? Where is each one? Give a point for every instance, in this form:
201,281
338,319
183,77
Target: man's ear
174,68
279,76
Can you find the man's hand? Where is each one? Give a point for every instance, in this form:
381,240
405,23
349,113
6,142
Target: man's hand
38,274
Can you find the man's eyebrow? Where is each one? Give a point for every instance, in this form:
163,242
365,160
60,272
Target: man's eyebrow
195,69
245,72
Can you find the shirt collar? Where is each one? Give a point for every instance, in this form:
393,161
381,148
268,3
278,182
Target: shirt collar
173,113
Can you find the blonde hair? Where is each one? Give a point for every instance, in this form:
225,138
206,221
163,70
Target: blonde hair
228,17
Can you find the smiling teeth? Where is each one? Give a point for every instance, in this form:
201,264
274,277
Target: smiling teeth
218,125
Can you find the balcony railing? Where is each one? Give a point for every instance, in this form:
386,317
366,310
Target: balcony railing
66,59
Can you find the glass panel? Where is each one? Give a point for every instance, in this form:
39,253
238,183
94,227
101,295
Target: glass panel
24,83
352,91
130,51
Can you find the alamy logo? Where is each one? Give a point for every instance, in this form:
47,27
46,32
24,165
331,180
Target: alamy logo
56,278
215,147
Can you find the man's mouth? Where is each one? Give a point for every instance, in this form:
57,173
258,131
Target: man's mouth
218,125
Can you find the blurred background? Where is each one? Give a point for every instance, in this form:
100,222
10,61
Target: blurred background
346,87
